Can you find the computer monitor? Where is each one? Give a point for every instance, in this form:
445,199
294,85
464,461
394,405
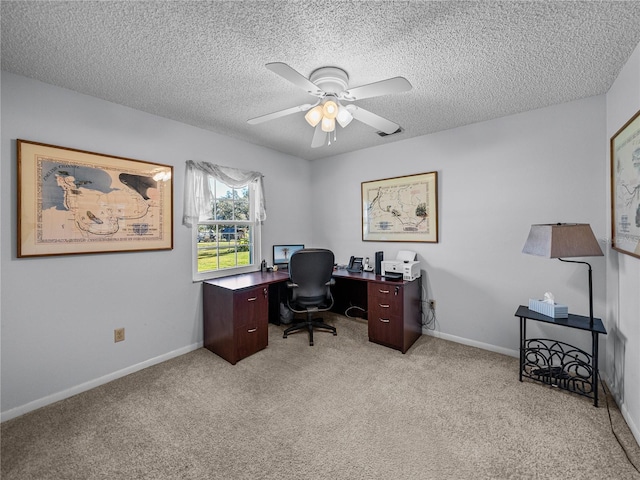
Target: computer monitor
282,254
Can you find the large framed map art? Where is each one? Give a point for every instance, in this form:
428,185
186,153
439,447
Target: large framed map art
625,188
73,202
401,209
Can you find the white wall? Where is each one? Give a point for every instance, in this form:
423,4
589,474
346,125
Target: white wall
58,313
496,178
623,271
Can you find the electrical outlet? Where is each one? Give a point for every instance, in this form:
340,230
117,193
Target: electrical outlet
118,335
432,304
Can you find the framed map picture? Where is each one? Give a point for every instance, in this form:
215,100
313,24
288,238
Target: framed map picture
72,201
401,209
625,188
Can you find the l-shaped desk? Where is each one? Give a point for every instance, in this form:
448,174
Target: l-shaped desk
238,308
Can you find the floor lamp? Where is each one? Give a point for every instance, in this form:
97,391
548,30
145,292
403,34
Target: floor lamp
565,240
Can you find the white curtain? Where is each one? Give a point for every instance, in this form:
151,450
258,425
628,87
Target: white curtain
197,194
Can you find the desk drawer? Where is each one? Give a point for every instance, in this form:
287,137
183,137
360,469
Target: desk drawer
251,321
384,297
386,318
250,306
386,330
235,321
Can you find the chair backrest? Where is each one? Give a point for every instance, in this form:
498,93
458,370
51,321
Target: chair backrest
311,269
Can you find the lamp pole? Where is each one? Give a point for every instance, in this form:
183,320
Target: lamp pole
590,288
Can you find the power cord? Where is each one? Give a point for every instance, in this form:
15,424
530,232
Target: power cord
427,310
346,312
428,316
606,397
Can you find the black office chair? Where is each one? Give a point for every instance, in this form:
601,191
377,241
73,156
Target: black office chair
310,281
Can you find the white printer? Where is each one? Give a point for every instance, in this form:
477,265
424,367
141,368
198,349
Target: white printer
405,264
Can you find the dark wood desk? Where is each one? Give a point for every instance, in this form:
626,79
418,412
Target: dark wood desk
557,363
392,308
237,309
249,280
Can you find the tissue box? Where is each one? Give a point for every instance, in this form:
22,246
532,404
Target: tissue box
555,311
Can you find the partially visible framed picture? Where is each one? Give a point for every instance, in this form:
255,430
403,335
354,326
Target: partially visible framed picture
401,209
625,188
71,202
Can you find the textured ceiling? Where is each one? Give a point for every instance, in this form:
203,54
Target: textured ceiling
203,62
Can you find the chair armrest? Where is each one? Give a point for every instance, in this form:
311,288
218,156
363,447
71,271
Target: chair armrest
294,293
328,295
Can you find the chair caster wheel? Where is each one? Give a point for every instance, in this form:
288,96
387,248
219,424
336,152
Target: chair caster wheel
335,334
284,336
311,344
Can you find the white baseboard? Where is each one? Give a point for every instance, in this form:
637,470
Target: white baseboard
632,426
473,343
623,409
56,397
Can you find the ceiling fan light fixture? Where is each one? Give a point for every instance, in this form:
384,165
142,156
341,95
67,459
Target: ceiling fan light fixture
328,124
330,86
314,116
344,117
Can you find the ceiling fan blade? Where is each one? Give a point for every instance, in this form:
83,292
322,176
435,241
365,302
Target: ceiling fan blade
288,73
373,120
280,113
383,87
319,137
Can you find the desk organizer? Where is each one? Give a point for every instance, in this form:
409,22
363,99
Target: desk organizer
554,311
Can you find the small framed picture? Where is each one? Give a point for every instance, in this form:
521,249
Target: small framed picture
401,209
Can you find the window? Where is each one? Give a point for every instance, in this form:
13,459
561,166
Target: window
228,242
224,207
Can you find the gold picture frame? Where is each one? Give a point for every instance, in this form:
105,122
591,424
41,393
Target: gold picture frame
625,188
401,209
77,202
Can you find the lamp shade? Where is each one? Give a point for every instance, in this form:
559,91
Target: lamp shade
344,117
562,240
330,109
314,116
328,124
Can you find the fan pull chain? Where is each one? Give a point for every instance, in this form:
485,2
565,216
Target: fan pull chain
329,137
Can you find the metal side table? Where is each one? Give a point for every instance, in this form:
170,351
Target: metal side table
557,363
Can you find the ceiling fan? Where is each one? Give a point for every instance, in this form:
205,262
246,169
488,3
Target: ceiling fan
330,85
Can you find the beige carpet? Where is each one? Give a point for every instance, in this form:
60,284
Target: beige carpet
342,409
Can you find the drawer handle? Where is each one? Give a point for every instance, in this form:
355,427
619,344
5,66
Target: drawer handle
384,320
252,299
383,306
252,330
383,291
